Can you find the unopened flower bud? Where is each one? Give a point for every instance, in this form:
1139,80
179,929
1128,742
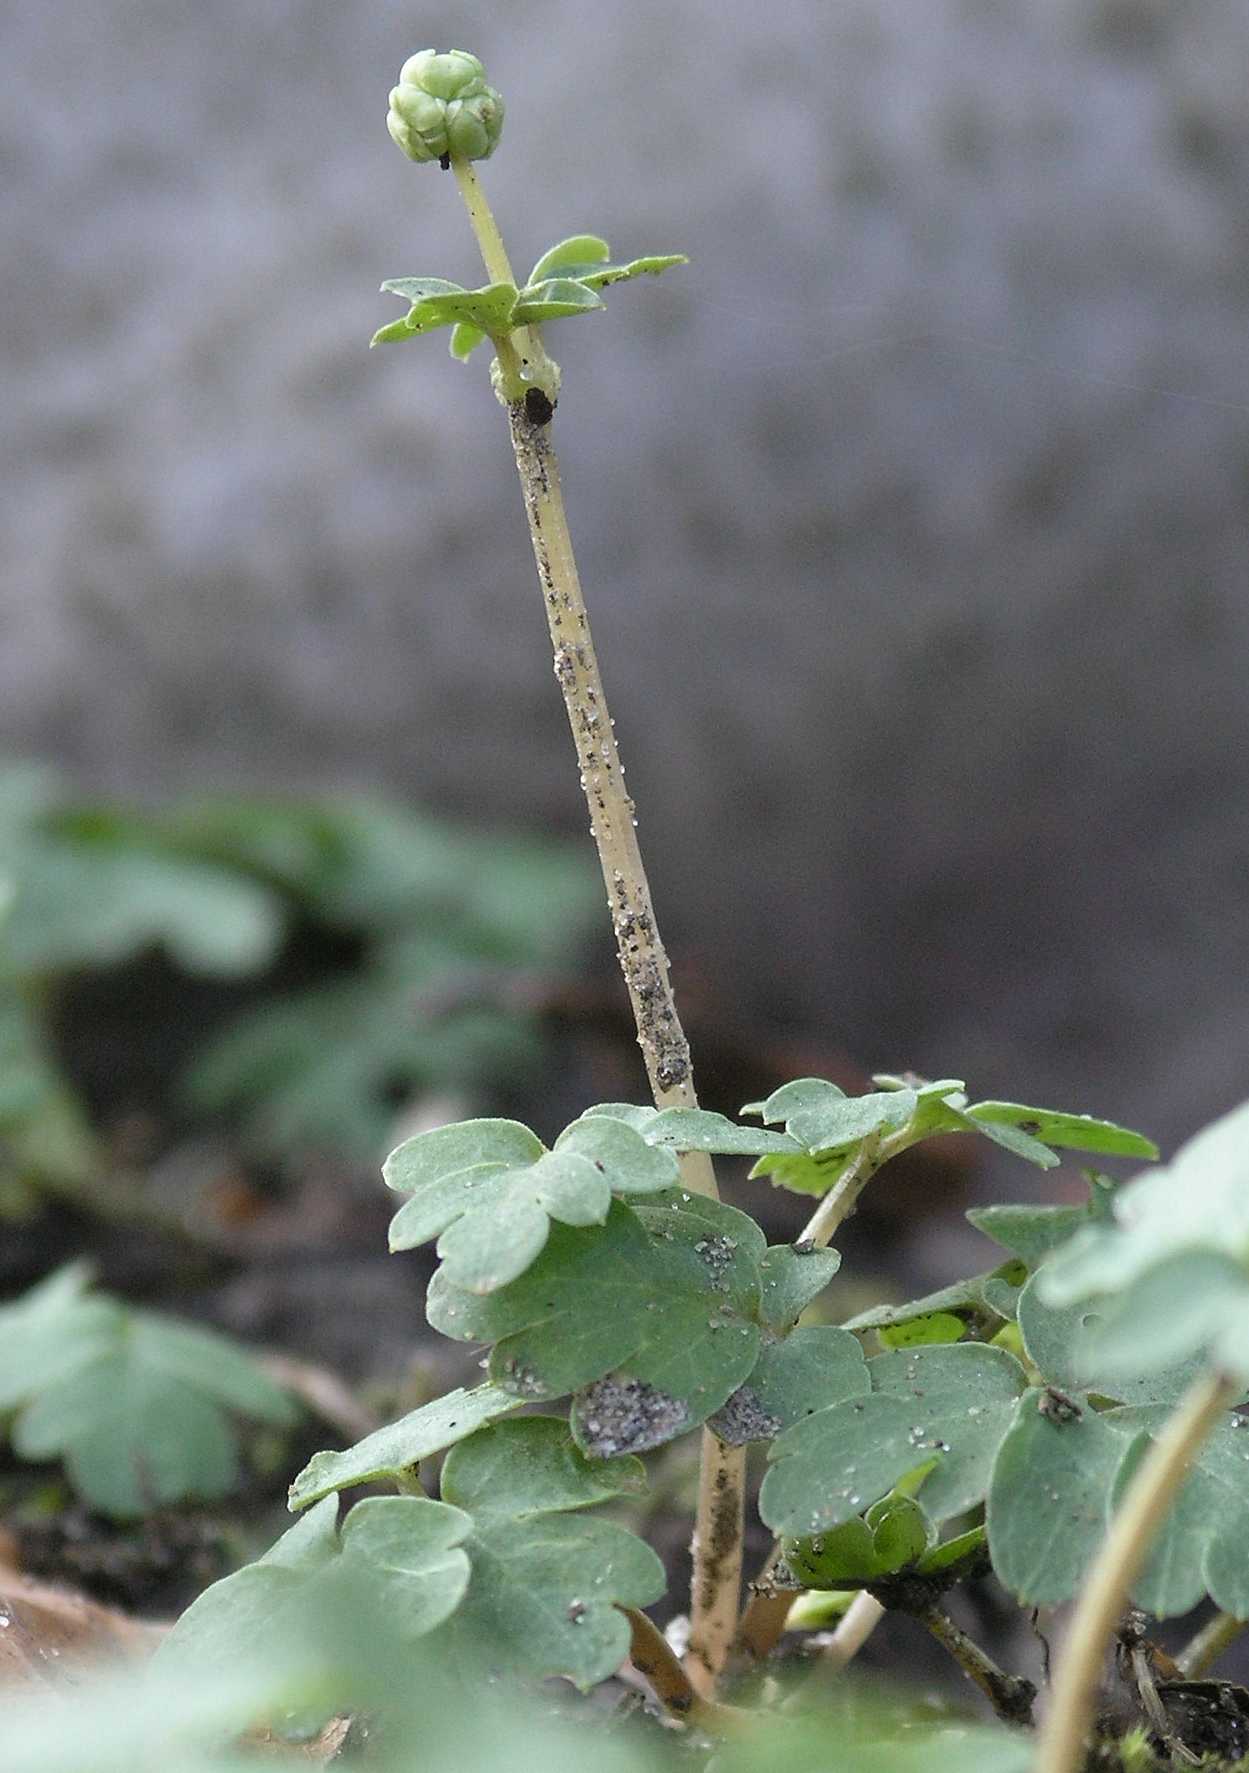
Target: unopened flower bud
443,108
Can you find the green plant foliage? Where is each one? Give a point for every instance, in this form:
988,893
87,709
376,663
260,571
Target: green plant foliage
546,1586
406,1551
136,1404
586,258
955,1401
812,1368
790,1279
90,887
489,1190
652,1318
979,1305
436,303
694,1129
43,1130
1058,1478
562,283
1175,1260
556,299
532,1585
831,1127
395,1452
440,917
1046,1510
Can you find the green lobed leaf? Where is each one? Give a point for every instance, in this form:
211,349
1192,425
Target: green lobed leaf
1197,1205
465,340
546,1588
932,1328
1046,1514
977,1302
395,1452
406,1550
795,1098
946,1117
554,299
1203,1545
1066,1345
695,1129
961,1398
814,1366
1073,1132
133,1402
1027,1231
954,1401
577,249
436,303
790,1279
834,1124
488,1190
664,1296
415,289
597,276
805,1173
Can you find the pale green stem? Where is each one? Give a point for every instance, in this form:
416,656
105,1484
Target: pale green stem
1203,1650
1116,1567
524,348
842,1198
717,1544
861,1618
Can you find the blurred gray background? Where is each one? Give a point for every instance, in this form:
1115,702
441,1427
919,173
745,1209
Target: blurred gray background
915,514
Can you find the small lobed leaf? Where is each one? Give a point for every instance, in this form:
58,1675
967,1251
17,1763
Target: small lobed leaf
394,1452
554,299
415,289
437,303
465,340
808,1172
488,1190
407,1550
1195,1206
1046,1513
1029,1232
951,1401
546,1588
811,1368
697,1129
794,1098
831,1126
447,1151
1073,1132
577,249
790,1279
694,1129
598,276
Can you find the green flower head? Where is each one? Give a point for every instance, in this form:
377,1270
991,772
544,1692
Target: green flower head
442,107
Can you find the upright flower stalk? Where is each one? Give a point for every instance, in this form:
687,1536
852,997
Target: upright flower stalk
443,110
